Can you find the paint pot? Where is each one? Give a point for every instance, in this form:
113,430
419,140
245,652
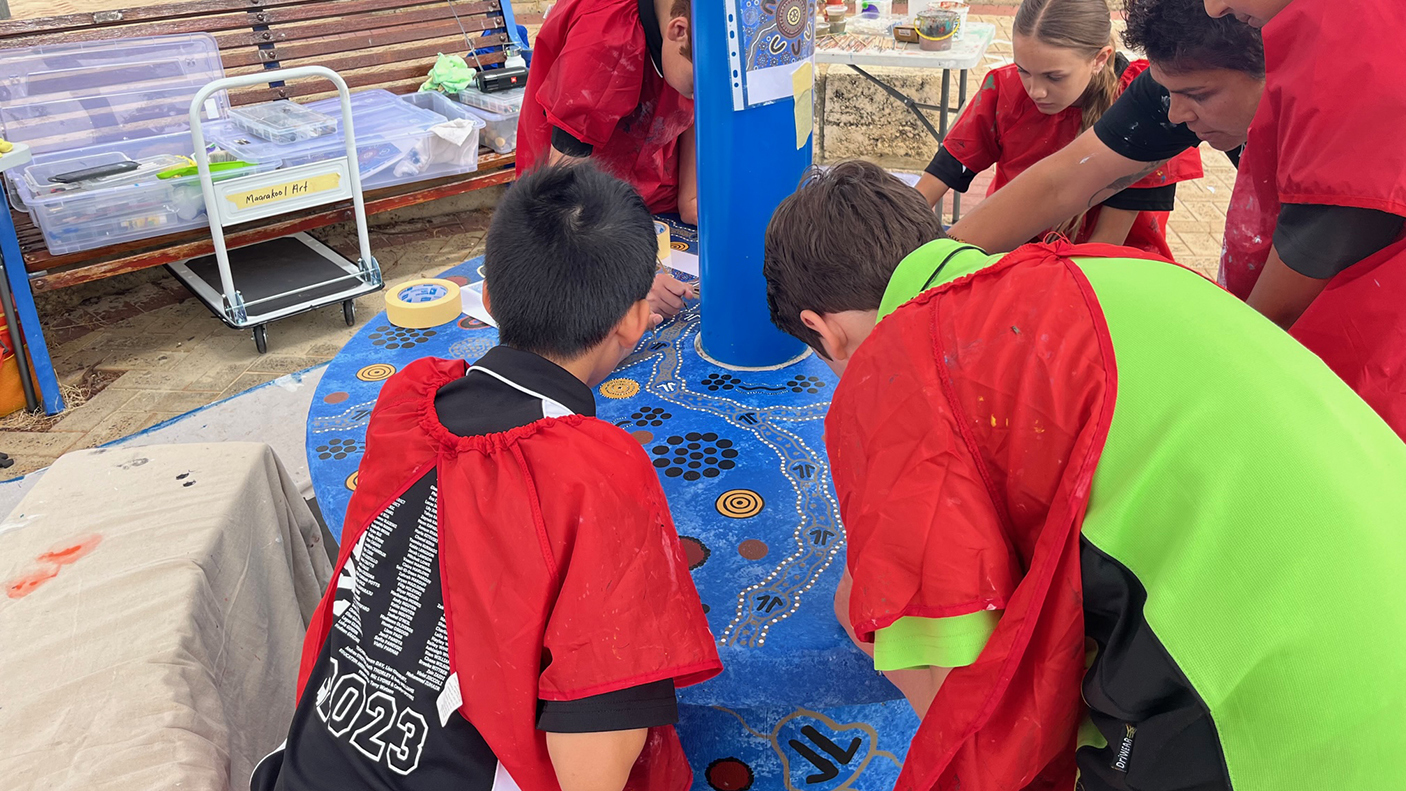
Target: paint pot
936,29
962,7
835,17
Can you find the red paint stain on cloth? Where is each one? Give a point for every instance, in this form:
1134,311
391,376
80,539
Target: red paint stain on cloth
48,564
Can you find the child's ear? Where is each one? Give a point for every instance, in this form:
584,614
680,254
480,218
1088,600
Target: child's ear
633,327
676,31
1102,59
833,338
487,306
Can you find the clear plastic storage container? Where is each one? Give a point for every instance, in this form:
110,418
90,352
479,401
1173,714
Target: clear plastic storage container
503,102
499,130
41,178
450,149
64,97
387,130
144,205
282,121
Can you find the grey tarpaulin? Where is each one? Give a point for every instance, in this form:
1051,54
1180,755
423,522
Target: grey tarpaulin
152,618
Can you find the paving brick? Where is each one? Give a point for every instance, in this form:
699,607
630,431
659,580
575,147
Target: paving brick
247,382
115,426
86,417
41,443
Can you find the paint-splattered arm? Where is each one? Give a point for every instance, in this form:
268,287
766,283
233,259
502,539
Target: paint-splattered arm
1082,174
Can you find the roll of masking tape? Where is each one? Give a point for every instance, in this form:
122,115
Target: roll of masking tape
662,231
420,304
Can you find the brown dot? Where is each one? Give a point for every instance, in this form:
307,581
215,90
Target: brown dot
752,549
644,437
458,280
336,398
694,551
729,774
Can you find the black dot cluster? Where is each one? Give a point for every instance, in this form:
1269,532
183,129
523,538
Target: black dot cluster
806,384
650,416
338,448
716,381
399,337
694,456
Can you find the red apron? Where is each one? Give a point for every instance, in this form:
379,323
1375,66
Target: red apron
593,77
1328,132
963,482
554,537
1002,126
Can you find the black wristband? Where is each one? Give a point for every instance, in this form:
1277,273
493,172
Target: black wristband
950,170
568,144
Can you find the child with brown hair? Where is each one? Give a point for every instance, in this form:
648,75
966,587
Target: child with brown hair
1066,75
1073,540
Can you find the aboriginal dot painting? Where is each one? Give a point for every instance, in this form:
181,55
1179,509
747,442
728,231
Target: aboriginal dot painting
741,459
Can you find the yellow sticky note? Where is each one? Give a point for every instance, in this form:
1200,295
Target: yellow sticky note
803,90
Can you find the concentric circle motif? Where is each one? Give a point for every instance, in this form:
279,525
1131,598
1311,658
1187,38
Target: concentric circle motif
620,388
791,17
682,247
740,503
376,372
351,481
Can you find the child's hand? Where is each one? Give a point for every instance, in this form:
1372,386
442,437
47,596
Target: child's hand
667,297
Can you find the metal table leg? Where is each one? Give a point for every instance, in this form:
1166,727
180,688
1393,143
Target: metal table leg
961,103
28,318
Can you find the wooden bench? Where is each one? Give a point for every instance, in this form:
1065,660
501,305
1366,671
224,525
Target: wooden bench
388,44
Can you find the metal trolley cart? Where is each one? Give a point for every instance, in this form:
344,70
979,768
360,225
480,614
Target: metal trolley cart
287,276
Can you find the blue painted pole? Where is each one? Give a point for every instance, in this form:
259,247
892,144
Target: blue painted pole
747,163
18,278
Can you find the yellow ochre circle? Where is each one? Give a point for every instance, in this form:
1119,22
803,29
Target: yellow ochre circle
376,372
620,388
740,503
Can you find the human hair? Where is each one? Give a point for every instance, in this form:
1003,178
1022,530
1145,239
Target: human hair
1086,27
834,243
1179,36
569,251
684,8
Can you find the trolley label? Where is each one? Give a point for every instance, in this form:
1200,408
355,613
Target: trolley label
281,191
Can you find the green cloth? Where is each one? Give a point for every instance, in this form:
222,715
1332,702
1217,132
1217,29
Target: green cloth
1262,505
933,642
931,265
450,74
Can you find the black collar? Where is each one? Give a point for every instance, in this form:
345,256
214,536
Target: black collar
653,36
540,375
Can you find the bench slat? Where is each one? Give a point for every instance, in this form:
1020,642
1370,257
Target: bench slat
418,31
14,31
341,16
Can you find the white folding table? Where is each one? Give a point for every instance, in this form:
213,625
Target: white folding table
858,51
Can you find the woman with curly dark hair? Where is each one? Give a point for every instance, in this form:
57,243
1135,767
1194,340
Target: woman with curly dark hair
1204,84
1314,233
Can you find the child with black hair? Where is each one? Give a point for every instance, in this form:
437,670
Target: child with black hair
1059,509
512,607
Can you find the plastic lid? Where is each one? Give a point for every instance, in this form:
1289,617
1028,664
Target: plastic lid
376,115
68,96
505,102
